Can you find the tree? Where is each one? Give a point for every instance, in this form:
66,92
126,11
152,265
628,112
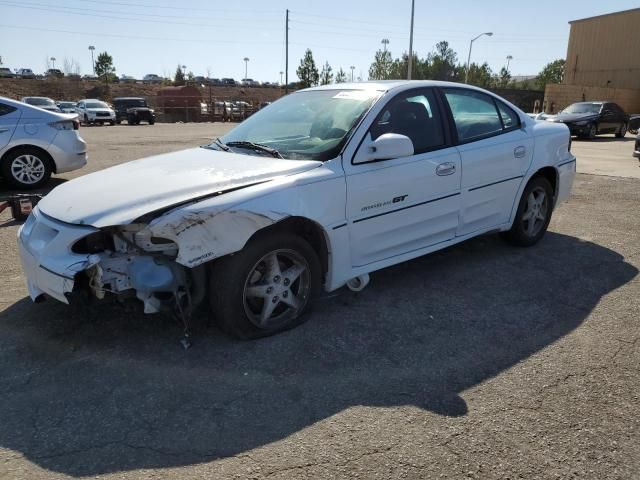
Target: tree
479,75
178,78
442,63
307,71
380,69
341,76
551,73
104,67
326,75
502,79
71,67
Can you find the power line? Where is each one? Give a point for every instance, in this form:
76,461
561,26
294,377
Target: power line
137,37
181,8
129,19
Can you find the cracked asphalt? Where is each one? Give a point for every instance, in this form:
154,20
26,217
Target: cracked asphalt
479,361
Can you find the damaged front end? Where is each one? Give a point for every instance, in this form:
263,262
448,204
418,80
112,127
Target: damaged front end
134,263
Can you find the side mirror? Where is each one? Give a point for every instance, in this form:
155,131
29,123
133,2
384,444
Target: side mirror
385,147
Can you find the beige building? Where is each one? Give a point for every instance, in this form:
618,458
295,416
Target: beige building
603,62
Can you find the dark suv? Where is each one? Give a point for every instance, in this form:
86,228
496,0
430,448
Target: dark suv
588,119
134,110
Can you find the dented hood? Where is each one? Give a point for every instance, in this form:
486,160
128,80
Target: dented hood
120,194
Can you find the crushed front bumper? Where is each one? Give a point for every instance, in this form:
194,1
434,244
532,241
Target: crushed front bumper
48,263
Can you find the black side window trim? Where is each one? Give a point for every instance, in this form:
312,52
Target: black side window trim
452,122
449,134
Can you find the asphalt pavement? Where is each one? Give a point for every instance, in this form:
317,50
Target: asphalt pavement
479,361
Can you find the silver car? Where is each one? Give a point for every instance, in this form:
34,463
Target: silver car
41,102
35,143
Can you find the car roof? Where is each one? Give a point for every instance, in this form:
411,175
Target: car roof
128,98
389,85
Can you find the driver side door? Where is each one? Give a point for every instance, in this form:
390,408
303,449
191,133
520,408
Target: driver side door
399,205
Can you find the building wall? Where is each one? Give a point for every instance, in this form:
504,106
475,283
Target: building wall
559,96
603,51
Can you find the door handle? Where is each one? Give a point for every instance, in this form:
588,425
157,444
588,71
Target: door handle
447,168
519,152
2,130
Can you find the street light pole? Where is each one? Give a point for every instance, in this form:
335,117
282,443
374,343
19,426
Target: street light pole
53,61
246,62
466,74
385,42
281,77
352,69
410,66
93,63
509,58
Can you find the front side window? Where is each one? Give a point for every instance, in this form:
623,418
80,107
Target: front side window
311,125
510,119
474,114
415,115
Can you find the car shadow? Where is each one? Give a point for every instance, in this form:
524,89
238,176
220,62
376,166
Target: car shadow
605,139
88,391
6,189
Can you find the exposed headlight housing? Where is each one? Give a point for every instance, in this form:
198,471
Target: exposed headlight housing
581,123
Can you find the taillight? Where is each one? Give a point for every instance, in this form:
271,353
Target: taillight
65,125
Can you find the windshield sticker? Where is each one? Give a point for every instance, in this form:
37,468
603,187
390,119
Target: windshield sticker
353,95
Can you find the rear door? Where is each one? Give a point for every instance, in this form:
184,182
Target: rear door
9,118
495,152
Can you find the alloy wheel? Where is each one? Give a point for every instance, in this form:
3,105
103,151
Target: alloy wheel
28,169
277,288
535,212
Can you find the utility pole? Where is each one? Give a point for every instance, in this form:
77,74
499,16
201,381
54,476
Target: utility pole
286,53
93,63
281,77
246,62
413,5
352,69
385,42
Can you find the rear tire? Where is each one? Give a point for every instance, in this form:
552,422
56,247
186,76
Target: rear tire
252,295
533,214
622,132
27,168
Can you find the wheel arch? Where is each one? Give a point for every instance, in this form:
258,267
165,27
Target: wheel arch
307,229
47,156
552,175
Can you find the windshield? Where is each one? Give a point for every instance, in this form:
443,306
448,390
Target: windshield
96,105
39,101
309,125
67,104
131,103
583,108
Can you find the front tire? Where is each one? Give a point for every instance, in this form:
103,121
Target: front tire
266,287
26,168
533,214
593,131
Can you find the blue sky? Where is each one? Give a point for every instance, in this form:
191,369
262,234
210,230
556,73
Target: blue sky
154,36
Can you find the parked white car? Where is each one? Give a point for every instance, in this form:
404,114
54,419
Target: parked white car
92,111
35,143
313,192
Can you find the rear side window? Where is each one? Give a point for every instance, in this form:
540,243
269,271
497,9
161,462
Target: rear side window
510,119
474,113
5,109
415,115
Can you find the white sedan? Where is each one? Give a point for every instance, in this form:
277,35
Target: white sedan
313,192
34,143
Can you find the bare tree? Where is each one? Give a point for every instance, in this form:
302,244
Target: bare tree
70,66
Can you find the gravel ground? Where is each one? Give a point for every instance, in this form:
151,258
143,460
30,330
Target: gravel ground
480,361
